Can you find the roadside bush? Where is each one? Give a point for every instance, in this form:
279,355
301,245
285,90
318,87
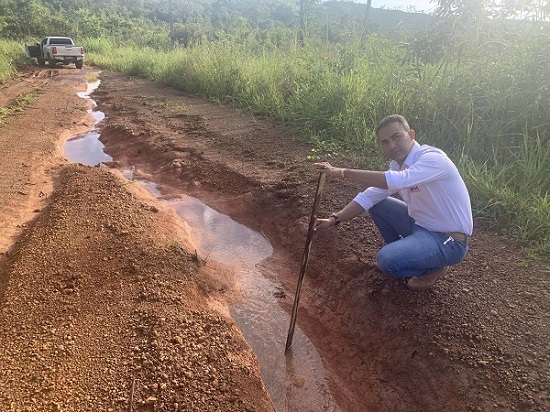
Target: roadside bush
97,45
12,54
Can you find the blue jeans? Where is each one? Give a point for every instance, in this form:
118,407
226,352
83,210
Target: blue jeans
410,249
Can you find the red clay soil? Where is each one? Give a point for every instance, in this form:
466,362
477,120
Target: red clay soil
100,310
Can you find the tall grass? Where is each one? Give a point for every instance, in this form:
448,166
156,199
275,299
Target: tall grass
514,194
488,109
330,94
11,55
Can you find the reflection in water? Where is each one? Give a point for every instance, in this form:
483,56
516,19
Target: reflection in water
219,236
96,114
86,148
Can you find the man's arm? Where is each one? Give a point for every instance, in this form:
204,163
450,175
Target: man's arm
351,210
369,178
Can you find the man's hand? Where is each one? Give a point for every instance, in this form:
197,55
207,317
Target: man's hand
323,224
325,167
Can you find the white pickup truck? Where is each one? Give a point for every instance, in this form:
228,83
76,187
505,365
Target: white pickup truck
56,50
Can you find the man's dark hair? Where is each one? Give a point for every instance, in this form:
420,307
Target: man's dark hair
393,118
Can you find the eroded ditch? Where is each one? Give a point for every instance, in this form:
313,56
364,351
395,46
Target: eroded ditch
295,381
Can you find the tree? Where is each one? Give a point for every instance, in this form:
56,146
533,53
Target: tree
87,23
367,14
464,10
305,8
24,18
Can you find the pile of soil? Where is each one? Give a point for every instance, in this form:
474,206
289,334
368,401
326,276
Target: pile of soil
101,309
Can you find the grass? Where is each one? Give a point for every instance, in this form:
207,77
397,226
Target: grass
175,244
11,55
18,105
176,108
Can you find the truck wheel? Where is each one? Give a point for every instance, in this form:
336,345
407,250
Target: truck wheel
79,64
51,62
41,61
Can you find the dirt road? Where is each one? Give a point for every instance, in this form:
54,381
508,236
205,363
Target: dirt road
100,310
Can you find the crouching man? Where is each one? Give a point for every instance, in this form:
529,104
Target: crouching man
429,229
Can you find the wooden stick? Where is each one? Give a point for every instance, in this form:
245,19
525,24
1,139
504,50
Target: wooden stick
132,391
309,239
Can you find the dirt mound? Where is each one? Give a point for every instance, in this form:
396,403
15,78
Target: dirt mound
105,311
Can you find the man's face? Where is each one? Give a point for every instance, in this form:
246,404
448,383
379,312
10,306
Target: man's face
396,142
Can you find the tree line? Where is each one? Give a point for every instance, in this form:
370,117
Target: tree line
156,22
128,20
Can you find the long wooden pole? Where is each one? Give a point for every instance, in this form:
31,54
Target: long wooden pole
305,258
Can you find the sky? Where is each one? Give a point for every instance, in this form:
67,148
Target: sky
419,5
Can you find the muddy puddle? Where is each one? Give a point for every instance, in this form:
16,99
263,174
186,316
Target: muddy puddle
296,381
85,147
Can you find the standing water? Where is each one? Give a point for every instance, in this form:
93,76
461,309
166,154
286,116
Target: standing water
296,381
85,147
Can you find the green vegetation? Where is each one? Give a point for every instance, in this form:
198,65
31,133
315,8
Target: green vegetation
11,54
476,87
175,244
18,105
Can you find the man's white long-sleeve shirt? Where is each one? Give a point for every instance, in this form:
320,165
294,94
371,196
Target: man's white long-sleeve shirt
431,186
